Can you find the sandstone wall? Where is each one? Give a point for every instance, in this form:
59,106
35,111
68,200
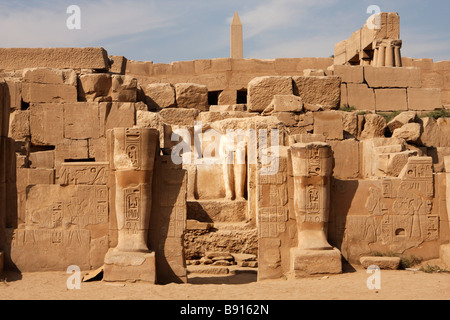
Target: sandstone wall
388,190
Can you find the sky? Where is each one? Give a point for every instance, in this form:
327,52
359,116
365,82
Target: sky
163,31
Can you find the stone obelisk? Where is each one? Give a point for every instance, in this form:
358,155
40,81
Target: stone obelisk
237,46
312,165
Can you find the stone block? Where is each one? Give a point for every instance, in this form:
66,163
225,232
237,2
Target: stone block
228,108
227,97
129,266
48,93
374,127
19,124
123,89
402,119
390,100
119,65
313,262
42,159
192,96
391,77
421,99
50,76
329,124
97,149
46,124
15,93
313,73
117,115
81,121
285,103
444,128
384,263
410,132
323,91
261,91
431,133
350,74
95,87
58,58
182,117
346,159
160,96
71,150
360,96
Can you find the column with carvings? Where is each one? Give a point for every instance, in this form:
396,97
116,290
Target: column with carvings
132,157
312,165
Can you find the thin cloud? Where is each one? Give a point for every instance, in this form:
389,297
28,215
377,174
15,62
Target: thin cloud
45,25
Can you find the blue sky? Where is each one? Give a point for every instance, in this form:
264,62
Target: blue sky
174,30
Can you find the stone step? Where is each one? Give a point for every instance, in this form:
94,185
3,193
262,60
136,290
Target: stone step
219,270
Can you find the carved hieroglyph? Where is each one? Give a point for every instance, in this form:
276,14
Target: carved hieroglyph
133,157
312,168
312,165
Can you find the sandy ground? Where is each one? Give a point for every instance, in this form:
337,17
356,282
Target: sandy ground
352,285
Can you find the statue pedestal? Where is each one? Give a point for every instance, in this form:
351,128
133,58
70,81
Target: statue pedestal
312,165
312,262
129,266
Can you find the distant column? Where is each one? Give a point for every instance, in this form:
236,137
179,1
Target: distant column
390,56
237,46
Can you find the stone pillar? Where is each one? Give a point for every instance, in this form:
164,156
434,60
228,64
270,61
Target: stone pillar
381,56
397,53
312,165
133,157
389,56
375,57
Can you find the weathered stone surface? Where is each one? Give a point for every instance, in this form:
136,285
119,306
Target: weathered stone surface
424,98
329,123
124,89
349,74
62,58
285,103
50,76
384,263
323,91
192,96
431,134
312,262
95,87
410,132
402,119
390,99
81,121
389,77
160,95
360,96
261,91
374,126
19,126
43,117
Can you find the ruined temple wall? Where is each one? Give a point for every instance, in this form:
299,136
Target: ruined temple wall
419,87
222,74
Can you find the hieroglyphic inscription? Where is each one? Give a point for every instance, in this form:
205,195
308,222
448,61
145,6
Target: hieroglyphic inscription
132,146
133,207
84,173
314,168
71,207
273,212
